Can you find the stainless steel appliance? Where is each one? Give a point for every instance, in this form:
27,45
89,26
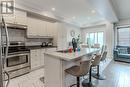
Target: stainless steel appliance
18,60
14,56
4,43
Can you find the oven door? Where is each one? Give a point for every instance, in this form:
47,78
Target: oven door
17,61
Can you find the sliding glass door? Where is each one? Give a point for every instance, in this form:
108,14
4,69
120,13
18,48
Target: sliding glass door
94,38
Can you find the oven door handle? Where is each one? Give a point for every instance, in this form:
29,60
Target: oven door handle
8,80
24,54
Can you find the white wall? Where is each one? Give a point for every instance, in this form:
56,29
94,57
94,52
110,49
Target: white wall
108,35
99,28
64,36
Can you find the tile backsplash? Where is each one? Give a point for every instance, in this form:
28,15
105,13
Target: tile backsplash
21,35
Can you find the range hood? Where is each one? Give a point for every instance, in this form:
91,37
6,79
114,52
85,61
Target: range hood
16,26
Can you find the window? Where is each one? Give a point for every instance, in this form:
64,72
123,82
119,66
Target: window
7,7
123,36
94,38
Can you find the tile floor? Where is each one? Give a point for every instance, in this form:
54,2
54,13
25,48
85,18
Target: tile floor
32,79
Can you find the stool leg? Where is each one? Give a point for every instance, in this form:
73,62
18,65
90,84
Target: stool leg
98,70
90,75
78,81
98,75
89,83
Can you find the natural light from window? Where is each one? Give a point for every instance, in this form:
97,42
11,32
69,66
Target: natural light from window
95,38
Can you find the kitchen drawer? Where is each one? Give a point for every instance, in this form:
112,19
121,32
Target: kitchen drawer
19,72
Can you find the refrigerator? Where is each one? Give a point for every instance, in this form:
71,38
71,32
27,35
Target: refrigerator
4,43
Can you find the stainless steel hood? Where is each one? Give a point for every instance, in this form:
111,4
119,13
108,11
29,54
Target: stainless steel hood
16,26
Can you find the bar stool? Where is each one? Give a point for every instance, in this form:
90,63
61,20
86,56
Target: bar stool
104,56
96,63
79,71
104,48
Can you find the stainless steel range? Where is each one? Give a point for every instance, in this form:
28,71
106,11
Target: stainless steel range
18,60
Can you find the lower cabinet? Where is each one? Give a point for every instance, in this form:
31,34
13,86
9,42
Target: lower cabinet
42,57
37,57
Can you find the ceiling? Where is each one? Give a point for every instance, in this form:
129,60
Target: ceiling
122,8
80,12
77,12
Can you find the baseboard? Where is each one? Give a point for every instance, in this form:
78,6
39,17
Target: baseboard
122,60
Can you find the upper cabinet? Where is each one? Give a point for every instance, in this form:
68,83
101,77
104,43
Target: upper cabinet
37,27
20,17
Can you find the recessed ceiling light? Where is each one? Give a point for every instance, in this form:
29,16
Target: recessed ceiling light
74,17
45,14
53,9
93,11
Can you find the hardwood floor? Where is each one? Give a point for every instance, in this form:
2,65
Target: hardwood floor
117,75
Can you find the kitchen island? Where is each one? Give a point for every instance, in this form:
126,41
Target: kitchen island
56,62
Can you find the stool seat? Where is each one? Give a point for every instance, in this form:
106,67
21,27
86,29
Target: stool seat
74,70
79,71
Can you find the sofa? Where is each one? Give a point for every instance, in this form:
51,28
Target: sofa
122,53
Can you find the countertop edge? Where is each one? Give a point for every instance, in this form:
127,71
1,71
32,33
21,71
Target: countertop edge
63,57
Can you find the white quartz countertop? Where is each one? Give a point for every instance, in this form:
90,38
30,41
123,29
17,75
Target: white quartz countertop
73,55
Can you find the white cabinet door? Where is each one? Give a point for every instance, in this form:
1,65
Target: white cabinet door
49,28
32,27
35,59
10,19
20,17
42,57
39,57
36,27
42,28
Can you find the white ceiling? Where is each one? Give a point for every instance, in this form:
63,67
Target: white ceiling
122,8
66,10
105,10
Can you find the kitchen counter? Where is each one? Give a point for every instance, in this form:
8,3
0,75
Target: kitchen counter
39,47
57,62
72,56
